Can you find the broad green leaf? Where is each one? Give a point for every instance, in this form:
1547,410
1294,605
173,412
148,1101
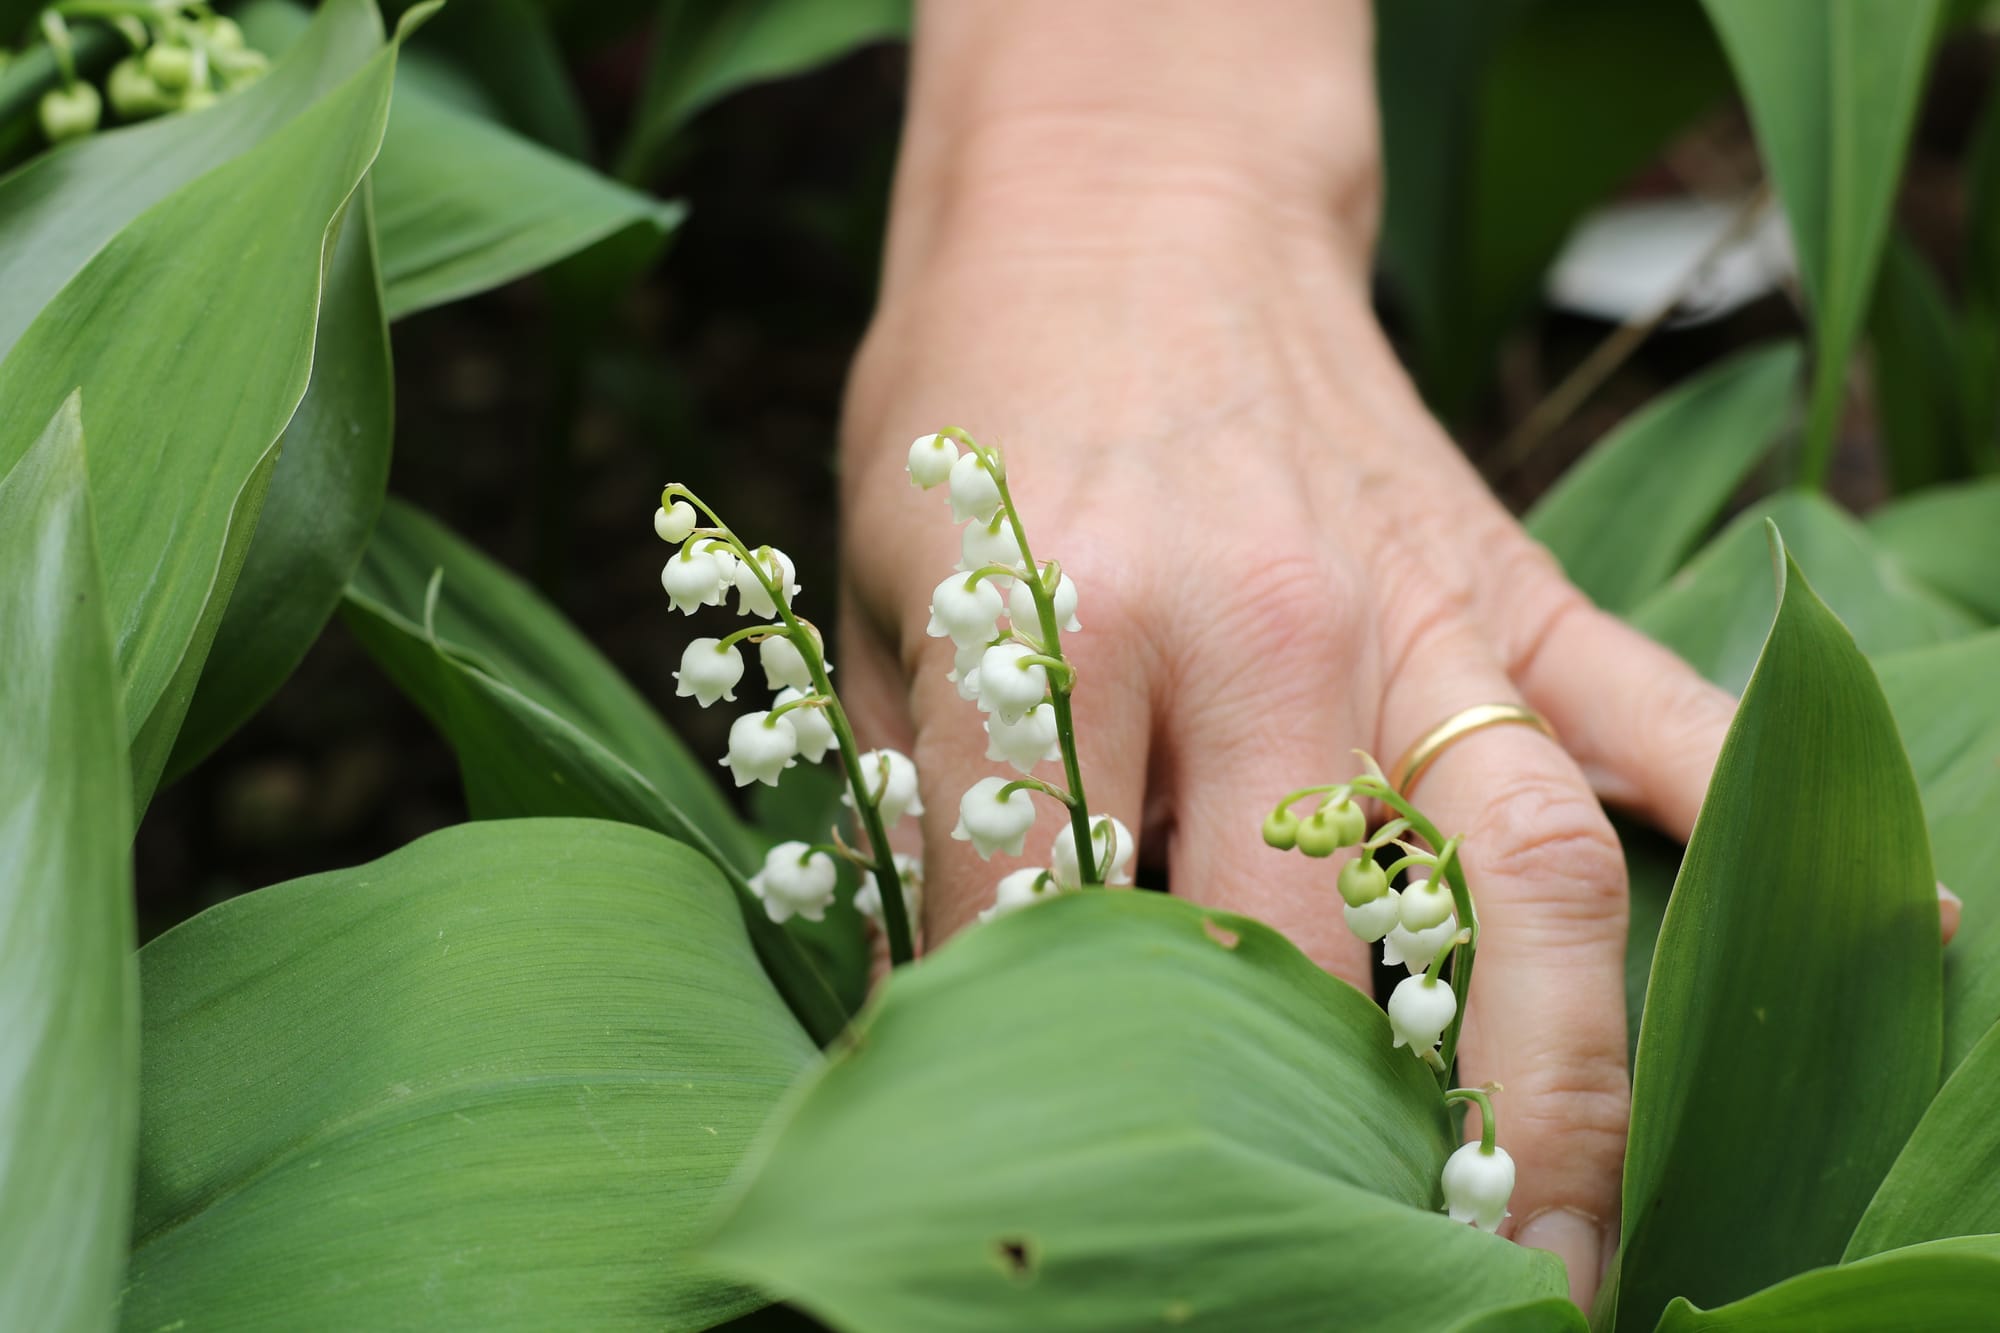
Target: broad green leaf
1832,87
1791,1034
506,50
1622,520
1651,862
214,293
488,1082
542,724
1551,1314
69,1059
706,49
1503,123
1949,714
1917,344
1116,1110
1942,1182
1943,1287
327,488
1715,611
1949,537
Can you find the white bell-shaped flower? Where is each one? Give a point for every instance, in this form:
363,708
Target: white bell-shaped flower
810,725
1477,1184
968,616
931,457
1112,847
1414,949
1021,608
1017,890
1009,685
693,579
993,819
1420,1009
965,670
989,543
752,598
890,779
868,898
795,881
760,748
709,671
1024,743
974,493
1372,920
784,665
1425,903
674,522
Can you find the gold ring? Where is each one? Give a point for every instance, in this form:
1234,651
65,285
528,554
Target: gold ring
1408,770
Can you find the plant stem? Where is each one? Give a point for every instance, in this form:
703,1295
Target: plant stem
1478,1097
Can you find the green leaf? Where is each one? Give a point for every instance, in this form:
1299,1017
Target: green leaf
1916,340
1942,1182
488,1082
1943,1287
1552,1314
69,1062
506,49
542,724
1949,537
1651,863
1503,123
1116,1110
1622,520
1949,715
1714,612
191,333
1778,1073
326,490
1832,87
706,49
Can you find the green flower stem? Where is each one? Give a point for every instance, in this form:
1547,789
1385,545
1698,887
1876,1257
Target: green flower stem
1036,784
1478,1097
1330,790
895,920
803,701
1395,868
753,632
1061,684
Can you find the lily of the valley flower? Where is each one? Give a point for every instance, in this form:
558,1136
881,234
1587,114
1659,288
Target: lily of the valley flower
1420,1009
693,578
674,522
1021,608
1009,685
1018,890
1414,949
1112,846
993,819
795,881
1372,920
988,543
1362,881
931,457
784,665
890,779
709,671
752,599
974,493
969,616
1325,831
965,670
761,747
1026,742
814,732
1425,903
868,898
1477,1182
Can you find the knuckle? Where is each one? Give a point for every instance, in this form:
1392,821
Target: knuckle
1295,601
1548,839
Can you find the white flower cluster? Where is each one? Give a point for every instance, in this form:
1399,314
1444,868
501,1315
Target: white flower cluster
1006,672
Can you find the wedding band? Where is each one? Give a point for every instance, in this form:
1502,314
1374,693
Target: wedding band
1409,770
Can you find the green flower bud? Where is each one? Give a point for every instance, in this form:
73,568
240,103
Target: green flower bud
1318,835
134,95
1281,830
1362,881
240,68
69,113
194,99
222,33
172,67
1348,822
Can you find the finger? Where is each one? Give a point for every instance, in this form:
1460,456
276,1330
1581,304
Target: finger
1546,1016
1250,727
1645,727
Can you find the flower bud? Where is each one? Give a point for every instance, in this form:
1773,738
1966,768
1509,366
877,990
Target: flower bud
989,543
1420,1009
1362,881
992,821
197,97
752,598
674,522
1371,920
968,616
1030,741
868,898
1477,1184
890,780
810,725
1426,902
974,492
931,457
1028,623
1009,685
1281,830
134,95
693,579
783,663
1018,890
709,671
760,748
69,113
1414,949
1112,846
222,33
171,65
241,68
795,881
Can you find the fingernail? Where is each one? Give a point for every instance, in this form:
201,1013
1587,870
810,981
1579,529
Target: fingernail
1950,905
1573,1238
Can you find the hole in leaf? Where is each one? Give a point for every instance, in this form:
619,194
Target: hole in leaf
1017,1255
1220,933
